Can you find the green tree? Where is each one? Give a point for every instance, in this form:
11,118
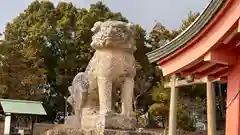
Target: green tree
159,109
159,36
187,22
53,43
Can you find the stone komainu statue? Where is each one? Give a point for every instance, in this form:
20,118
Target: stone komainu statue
112,67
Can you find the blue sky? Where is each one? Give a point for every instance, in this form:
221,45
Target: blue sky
144,12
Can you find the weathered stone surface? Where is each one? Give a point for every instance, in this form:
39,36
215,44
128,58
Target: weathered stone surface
112,67
117,121
110,121
93,132
73,121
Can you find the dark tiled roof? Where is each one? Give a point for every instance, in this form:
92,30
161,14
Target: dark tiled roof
181,40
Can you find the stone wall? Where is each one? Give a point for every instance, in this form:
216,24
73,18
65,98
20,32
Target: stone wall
58,130
202,133
161,132
38,128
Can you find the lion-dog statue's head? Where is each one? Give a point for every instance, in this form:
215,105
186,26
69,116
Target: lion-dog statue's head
114,35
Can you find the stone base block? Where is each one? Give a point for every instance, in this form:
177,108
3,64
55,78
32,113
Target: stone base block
92,132
110,121
73,122
117,121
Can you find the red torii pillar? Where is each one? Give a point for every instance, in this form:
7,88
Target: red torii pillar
233,100
209,49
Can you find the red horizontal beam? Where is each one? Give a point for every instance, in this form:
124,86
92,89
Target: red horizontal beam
202,66
220,74
213,70
221,56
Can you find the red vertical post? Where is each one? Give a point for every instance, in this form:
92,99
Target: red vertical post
233,100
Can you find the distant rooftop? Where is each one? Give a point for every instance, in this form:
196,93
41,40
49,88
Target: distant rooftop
22,107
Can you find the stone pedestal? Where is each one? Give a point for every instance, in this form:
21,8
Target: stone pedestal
72,121
93,132
110,121
111,124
